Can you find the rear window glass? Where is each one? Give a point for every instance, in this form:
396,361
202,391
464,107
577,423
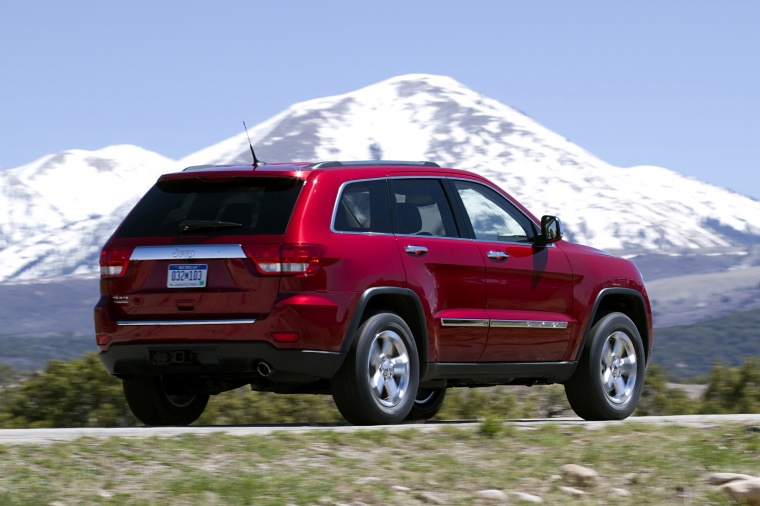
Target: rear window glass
236,206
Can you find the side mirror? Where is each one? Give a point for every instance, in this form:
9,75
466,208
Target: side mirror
551,231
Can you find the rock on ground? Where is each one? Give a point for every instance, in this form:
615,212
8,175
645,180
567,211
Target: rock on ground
493,495
524,497
582,476
572,491
744,491
723,478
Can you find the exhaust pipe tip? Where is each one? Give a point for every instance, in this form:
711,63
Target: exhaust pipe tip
263,369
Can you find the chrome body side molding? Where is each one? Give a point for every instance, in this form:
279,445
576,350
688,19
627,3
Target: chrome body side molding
464,322
512,324
528,324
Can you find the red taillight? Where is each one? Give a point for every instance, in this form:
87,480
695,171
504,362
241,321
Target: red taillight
298,258
285,337
114,262
285,258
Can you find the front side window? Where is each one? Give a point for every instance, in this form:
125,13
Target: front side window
493,218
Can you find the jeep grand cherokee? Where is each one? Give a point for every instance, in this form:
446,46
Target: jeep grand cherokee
381,283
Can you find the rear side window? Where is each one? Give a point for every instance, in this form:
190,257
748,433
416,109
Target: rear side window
236,206
420,207
363,207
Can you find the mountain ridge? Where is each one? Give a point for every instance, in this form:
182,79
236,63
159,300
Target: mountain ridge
61,208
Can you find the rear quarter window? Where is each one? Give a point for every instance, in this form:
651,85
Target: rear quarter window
363,207
237,206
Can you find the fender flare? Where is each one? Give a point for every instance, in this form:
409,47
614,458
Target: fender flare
364,301
604,292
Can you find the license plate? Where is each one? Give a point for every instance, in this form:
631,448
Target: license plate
187,276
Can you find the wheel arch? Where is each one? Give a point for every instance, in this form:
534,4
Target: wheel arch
620,300
402,301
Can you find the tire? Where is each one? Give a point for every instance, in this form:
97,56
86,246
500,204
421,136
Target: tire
153,405
377,383
608,381
427,403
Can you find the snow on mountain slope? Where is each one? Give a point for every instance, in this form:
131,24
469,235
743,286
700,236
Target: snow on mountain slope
409,117
81,183
57,211
22,210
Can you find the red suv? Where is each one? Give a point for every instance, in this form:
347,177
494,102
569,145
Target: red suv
382,283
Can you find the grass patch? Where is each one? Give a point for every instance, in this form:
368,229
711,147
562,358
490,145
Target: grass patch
657,465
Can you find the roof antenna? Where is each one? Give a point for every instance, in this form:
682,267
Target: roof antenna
256,161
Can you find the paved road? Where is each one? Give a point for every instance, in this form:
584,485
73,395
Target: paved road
26,436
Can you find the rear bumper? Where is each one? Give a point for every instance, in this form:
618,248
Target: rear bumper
220,359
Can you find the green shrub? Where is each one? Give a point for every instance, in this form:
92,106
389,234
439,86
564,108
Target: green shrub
658,399
79,393
241,407
733,389
75,393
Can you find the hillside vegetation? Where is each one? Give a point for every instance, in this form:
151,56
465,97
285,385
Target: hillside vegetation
686,351
32,353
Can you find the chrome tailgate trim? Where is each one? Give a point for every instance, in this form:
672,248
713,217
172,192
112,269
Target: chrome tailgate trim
187,252
132,323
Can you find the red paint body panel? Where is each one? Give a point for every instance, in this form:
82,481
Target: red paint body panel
596,271
533,284
449,278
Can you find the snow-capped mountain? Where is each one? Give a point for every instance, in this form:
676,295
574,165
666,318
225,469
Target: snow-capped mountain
57,211
423,117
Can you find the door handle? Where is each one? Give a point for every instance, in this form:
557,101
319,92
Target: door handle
416,251
498,256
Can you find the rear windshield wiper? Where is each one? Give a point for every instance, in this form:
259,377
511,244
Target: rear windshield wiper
200,224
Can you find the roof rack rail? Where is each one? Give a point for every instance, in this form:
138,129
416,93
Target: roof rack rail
363,163
198,167
324,165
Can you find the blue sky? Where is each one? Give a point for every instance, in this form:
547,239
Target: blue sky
674,83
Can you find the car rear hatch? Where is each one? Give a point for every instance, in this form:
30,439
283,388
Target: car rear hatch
201,249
